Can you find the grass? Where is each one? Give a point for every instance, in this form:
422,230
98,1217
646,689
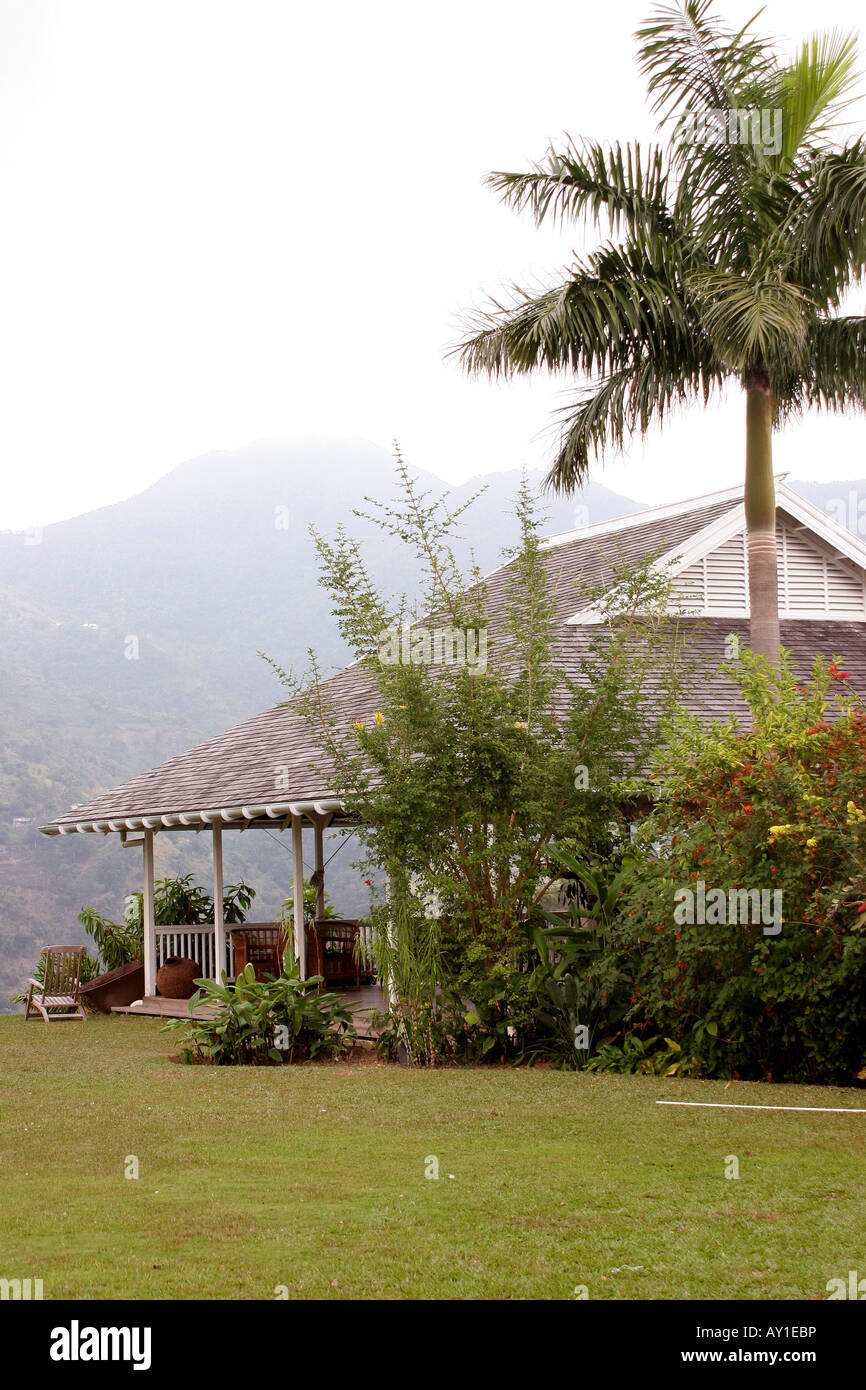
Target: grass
312,1177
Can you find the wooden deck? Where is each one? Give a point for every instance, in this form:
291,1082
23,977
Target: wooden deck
359,1001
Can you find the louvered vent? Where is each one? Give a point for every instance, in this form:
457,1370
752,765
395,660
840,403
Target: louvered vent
813,580
727,580
718,583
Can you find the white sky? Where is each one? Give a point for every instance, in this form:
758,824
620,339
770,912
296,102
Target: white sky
226,219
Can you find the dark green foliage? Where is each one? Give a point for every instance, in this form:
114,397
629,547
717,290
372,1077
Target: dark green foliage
778,808
263,1022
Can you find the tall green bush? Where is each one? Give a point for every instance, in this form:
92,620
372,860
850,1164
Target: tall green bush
466,771
778,809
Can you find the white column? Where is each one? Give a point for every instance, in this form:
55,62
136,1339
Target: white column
147,918
218,920
298,854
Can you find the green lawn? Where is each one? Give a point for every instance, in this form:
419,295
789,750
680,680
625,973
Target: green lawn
313,1177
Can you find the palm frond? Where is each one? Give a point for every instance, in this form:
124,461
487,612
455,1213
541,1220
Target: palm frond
623,404
614,307
625,183
834,378
813,89
753,320
706,76
830,228
693,62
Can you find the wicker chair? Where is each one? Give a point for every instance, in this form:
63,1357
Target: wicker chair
332,951
55,996
261,945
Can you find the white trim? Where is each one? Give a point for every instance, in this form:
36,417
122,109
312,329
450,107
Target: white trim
218,916
733,523
147,915
679,558
660,513
298,888
240,816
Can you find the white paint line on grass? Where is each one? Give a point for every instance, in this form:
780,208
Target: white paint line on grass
732,1105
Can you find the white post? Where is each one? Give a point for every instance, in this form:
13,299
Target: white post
218,920
147,919
298,854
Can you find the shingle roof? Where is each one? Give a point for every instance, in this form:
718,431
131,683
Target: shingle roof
258,771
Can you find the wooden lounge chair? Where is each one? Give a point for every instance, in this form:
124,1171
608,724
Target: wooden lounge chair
55,996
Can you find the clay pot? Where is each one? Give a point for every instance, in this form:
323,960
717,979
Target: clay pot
176,978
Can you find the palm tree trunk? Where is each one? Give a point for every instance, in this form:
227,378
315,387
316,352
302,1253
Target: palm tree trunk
760,500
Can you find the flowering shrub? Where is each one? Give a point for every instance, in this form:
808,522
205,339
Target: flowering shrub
775,815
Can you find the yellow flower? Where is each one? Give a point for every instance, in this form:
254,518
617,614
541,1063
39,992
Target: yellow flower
520,724
378,719
358,725
811,844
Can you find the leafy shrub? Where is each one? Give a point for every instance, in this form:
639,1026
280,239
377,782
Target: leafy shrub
176,901
779,808
287,909
118,943
262,1022
468,770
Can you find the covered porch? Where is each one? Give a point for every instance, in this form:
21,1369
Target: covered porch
267,773
219,947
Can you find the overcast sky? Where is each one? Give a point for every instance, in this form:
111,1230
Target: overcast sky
229,219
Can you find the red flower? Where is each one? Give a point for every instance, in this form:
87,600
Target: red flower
747,809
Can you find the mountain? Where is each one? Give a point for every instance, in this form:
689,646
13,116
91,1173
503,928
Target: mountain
131,633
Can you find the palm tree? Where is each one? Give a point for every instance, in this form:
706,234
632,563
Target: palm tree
730,248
